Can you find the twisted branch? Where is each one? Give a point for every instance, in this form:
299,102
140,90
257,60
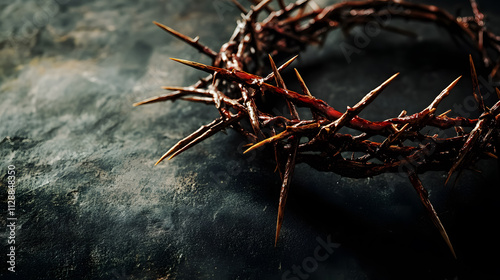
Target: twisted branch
236,86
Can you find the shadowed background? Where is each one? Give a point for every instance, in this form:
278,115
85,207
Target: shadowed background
90,204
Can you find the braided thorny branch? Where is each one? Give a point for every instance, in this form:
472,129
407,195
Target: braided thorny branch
239,97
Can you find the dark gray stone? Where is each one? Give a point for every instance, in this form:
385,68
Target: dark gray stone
90,204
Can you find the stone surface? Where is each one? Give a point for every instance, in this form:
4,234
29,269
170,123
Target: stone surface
90,204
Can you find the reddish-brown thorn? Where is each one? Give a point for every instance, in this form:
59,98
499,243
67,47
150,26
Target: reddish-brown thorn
193,42
475,86
281,68
279,80
356,109
424,198
443,94
285,186
281,84
303,85
199,135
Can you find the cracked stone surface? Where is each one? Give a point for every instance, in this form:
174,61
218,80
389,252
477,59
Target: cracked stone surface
90,204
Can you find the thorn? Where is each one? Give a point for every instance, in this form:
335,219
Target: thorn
199,135
233,74
175,88
402,129
281,84
281,68
285,65
302,83
200,99
279,80
271,139
424,198
199,66
161,159
373,94
491,155
170,96
495,70
290,130
475,86
140,103
193,42
350,113
285,186
445,113
474,169
443,94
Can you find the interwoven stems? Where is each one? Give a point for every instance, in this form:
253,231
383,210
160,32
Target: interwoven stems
236,86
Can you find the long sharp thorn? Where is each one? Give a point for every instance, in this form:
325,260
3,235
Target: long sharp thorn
271,139
491,155
333,127
283,66
237,75
187,140
184,89
193,42
374,93
167,97
188,90
445,113
200,99
202,133
179,92
287,178
443,94
302,83
475,86
199,66
279,80
281,83
424,198
498,92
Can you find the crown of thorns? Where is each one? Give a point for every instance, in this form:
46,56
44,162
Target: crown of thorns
237,87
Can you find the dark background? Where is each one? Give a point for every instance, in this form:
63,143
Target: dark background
90,204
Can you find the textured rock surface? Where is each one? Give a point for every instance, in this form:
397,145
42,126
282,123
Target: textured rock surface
90,205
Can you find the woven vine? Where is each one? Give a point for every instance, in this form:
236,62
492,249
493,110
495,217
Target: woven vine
238,87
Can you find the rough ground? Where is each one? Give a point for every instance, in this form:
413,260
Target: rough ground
90,204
